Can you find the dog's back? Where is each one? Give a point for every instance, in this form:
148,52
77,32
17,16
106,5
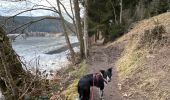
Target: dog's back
84,86
97,79
86,82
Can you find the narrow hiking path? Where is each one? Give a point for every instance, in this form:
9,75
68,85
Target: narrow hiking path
103,58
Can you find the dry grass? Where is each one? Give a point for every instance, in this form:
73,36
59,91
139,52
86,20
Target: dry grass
144,67
71,92
65,82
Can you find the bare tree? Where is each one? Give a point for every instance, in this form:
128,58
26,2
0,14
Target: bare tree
65,32
86,28
79,27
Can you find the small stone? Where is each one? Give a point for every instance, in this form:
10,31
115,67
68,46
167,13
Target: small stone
120,86
125,95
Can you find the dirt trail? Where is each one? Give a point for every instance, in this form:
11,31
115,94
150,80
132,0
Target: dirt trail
103,58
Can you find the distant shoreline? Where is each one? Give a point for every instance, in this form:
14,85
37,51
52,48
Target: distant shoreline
62,49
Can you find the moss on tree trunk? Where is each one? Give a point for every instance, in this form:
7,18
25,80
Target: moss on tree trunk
11,71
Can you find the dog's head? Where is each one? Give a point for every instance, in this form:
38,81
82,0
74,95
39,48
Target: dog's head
107,74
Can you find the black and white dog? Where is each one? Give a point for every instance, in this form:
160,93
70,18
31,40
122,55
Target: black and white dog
98,79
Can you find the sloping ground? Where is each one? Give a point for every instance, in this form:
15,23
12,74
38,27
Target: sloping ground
144,66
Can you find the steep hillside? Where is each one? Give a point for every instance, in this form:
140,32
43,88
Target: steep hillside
144,66
46,25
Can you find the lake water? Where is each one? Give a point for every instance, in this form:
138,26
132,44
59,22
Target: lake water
32,52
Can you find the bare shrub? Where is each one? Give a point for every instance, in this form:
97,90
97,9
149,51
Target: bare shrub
155,37
77,58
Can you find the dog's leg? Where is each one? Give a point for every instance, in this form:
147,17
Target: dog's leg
101,94
101,91
87,94
102,97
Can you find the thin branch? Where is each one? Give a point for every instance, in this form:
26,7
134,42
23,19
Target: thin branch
66,10
43,6
29,86
52,6
70,28
74,22
31,10
72,9
72,18
49,3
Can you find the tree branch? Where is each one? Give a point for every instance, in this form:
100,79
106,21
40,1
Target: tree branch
74,22
66,10
31,10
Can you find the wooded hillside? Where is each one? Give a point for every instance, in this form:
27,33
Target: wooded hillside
47,25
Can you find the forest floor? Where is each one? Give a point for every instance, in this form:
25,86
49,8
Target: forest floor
102,57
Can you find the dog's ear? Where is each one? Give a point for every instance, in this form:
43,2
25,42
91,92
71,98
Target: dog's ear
110,70
102,71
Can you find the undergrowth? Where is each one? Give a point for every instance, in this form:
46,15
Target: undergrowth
65,82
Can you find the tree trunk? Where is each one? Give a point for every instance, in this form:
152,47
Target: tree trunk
86,28
121,11
10,68
66,34
79,27
74,23
114,11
